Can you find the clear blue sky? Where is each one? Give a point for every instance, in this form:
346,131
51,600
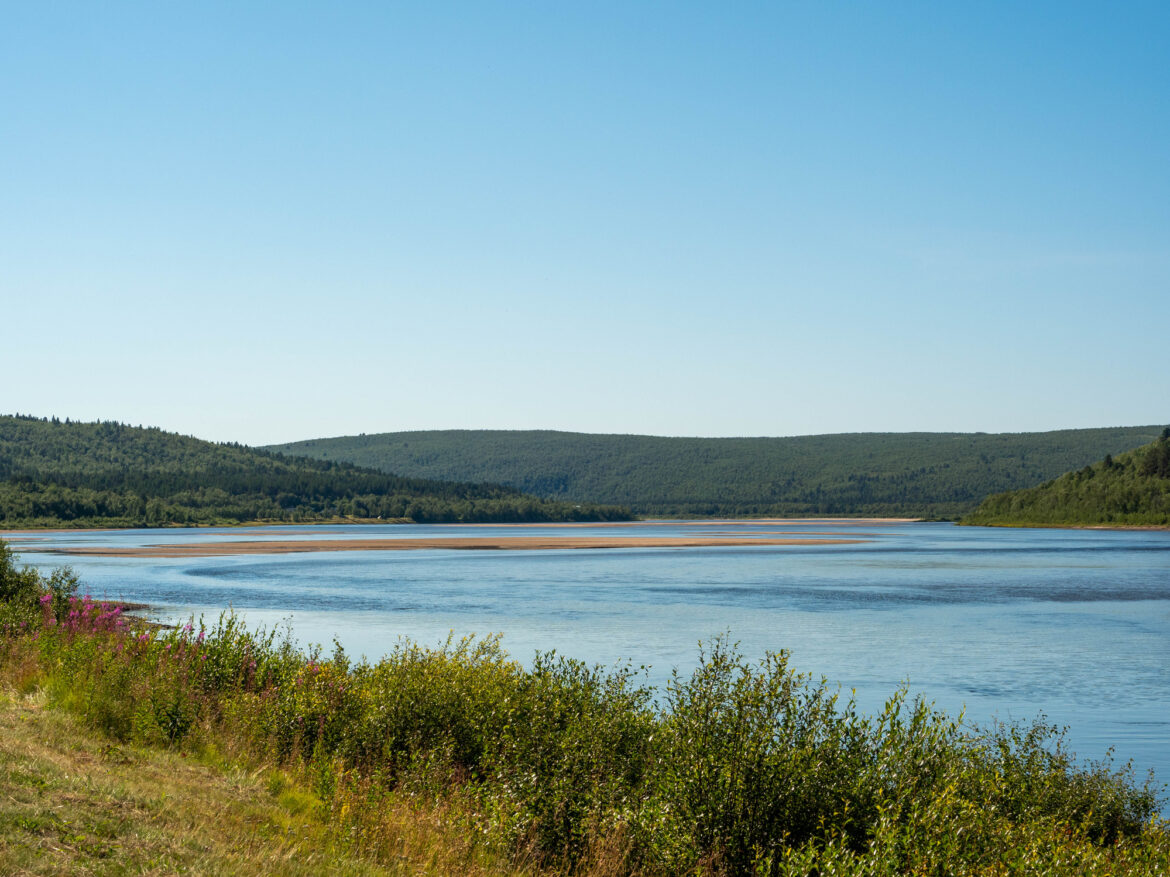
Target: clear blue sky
271,221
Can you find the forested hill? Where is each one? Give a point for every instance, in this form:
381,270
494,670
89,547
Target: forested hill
1131,488
55,473
934,475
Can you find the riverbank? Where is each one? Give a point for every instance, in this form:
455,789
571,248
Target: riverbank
74,801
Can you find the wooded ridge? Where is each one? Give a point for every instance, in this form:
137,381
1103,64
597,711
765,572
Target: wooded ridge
931,475
60,473
1131,489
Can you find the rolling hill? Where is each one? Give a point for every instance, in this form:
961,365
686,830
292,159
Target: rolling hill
1132,488
61,473
932,475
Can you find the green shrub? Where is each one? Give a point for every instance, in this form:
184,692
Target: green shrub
571,755
749,759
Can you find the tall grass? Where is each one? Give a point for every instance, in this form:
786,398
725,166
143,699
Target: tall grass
743,767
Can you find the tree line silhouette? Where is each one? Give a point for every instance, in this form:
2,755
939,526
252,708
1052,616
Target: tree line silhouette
55,472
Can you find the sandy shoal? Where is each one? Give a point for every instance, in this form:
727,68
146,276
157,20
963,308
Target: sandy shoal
513,543
316,527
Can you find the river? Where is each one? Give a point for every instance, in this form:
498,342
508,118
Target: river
1004,623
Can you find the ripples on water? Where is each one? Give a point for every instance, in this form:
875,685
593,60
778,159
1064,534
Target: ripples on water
1008,623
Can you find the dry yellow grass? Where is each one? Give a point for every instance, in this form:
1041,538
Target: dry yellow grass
72,803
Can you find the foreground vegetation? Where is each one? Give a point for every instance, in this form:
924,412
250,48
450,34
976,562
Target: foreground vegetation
1131,489
73,801
929,475
743,768
63,474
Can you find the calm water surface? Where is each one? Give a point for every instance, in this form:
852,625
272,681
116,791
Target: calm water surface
1006,623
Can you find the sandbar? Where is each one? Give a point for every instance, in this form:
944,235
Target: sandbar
509,543
316,526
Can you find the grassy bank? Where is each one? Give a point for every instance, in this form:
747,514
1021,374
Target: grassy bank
73,801
741,768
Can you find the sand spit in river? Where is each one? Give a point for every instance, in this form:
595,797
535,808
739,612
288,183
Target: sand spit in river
29,535
478,543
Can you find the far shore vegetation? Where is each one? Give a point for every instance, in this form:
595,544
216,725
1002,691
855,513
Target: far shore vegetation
936,476
211,748
72,475
83,475
1128,490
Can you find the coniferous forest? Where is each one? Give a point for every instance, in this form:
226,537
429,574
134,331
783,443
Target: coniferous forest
928,475
1130,489
59,473
63,473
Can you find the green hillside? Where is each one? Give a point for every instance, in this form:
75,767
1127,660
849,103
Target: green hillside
55,473
1130,489
936,475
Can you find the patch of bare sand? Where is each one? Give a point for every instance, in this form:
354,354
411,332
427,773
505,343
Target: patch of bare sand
513,543
713,522
316,527
799,534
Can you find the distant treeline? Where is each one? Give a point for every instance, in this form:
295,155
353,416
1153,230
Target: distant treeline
931,475
62,473
1131,489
